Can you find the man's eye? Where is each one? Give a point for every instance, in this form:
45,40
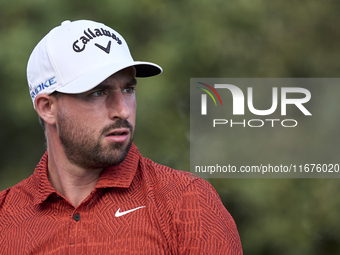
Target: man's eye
129,90
98,93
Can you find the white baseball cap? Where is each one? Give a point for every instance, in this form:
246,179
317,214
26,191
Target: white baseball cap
76,56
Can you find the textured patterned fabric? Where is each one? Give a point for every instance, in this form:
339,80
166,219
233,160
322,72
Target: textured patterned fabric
137,207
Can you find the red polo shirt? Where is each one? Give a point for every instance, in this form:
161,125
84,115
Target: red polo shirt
137,207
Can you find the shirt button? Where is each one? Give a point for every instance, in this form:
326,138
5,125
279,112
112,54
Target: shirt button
76,217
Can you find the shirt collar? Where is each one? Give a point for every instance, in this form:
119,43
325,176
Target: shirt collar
43,187
119,176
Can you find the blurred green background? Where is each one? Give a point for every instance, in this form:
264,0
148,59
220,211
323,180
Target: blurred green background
201,38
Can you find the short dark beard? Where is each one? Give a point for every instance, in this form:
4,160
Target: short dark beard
82,150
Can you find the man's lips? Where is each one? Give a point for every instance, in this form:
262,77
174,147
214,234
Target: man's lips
118,132
118,135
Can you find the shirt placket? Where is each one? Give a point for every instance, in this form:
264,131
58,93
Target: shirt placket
77,226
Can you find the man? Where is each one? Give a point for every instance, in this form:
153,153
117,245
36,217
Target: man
92,192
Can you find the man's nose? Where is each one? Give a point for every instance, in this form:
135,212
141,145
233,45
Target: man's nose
118,105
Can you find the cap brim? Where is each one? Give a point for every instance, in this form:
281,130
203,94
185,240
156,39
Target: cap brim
147,69
93,78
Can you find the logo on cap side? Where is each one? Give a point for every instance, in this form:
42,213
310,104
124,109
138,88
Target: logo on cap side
89,35
42,86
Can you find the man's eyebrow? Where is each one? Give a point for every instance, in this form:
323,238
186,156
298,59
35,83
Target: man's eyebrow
132,82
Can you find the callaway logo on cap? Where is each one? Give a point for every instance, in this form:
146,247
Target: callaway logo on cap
76,56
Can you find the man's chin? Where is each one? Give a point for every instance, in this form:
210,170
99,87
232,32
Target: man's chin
118,153
102,157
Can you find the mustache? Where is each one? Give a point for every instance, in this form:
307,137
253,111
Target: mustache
120,123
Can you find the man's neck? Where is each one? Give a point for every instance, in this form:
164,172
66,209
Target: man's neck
72,181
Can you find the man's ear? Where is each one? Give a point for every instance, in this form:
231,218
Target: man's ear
45,106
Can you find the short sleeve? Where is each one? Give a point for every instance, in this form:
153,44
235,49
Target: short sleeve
202,223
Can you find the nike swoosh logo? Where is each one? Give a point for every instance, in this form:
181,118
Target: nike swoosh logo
118,213
107,49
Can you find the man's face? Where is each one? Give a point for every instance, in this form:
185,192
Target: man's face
96,127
